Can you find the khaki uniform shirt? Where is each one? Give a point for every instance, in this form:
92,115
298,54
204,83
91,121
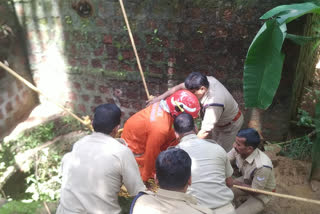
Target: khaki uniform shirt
219,116
257,171
92,174
165,201
209,170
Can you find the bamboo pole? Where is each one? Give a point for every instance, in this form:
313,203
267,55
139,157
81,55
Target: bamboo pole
134,48
277,194
85,122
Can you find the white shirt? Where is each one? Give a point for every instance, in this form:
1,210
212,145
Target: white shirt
217,93
93,172
209,170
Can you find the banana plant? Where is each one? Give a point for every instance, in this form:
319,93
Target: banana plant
264,61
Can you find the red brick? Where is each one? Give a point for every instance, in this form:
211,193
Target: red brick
221,33
124,103
85,97
126,67
227,15
179,45
136,40
84,62
72,96
82,108
98,100
103,89
99,51
127,54
72,61
109,100
90,86
107,39
195,13
9,107
112,65
112,52
157,56
165,42
96,63
76,85
197,44
155,70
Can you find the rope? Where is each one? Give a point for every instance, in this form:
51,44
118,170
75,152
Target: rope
134,49
277,194
86,120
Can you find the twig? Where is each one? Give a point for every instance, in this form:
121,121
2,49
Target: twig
311,134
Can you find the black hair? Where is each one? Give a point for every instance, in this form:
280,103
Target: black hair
195,80
173,168
251,135
106,118
183,123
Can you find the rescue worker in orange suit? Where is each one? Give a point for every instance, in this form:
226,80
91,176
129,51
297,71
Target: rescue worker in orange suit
150,131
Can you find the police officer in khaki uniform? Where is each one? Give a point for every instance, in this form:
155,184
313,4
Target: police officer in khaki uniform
173,175
256,169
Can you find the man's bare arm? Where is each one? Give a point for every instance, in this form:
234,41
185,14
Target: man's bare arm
166,94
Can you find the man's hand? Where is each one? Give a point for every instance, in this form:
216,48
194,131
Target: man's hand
152,100
229,182
203,134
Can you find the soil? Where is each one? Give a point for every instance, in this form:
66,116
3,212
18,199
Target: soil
292,179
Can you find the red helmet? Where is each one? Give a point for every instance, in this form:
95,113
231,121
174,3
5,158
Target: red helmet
183,101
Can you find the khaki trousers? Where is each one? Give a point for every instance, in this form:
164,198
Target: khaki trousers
226,209
252,205
225,136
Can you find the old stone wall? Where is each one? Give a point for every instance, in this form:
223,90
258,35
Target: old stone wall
16,100
80,54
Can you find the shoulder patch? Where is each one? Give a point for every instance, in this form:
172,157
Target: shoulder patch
260,178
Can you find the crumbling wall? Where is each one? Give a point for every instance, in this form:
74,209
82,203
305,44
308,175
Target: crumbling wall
16,100
82,56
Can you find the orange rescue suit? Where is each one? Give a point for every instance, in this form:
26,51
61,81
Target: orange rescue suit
147,133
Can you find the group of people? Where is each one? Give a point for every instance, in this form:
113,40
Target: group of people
193,168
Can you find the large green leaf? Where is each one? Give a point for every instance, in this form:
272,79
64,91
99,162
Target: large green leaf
287,13
263,66
315,167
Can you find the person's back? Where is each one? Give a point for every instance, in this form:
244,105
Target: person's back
173,176
92,175
210,167
150,131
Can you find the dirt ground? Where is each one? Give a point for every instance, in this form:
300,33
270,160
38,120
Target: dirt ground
292,179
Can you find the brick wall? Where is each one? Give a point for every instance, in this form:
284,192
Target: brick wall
82,62
16,100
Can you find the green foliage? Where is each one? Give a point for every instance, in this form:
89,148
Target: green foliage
18,207
305,119
45,183
263,65
299,148
44,180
